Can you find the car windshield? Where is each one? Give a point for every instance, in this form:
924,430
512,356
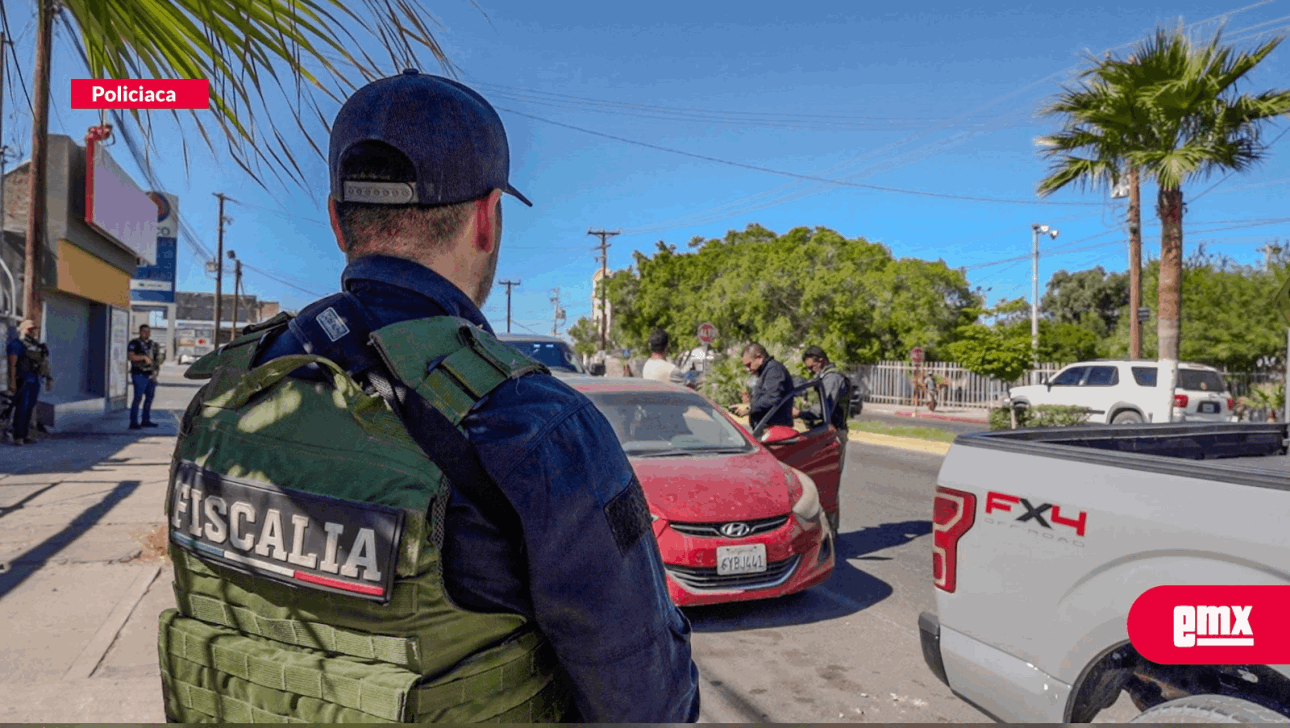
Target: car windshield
652,424
553,354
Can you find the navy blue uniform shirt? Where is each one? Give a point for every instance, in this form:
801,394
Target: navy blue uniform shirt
624,644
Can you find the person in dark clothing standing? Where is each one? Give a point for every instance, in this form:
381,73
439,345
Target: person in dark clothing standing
28,364
548,541
837,389
142,353
773,384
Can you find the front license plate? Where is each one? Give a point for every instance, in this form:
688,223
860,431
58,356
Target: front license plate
749,559
1209,407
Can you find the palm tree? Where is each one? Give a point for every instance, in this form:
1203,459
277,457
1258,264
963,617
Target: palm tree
1100,118
1174,113
294,49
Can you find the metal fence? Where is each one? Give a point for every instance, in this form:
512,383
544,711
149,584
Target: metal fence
892,382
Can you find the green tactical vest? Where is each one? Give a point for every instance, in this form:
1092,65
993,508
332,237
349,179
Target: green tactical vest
306,530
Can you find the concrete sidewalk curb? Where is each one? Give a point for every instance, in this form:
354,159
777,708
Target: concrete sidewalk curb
99,645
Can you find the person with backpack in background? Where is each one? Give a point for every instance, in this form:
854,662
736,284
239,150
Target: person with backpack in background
28,364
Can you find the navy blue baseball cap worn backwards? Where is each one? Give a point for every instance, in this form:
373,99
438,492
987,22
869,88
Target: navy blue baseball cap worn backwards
418,139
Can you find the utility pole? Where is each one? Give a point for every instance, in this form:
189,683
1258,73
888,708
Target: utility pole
4,40
1268,251
508,285
37,177
219,269
1037,229
555,312
237,285
604,282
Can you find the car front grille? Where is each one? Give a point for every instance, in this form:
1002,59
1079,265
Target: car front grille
707,579
713,530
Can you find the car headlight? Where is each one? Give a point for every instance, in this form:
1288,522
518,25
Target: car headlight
807,506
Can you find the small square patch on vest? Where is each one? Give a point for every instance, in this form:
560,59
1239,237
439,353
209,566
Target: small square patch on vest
332,324
628,516
301,539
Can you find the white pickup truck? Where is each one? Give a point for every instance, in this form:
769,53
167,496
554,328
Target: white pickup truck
1044,538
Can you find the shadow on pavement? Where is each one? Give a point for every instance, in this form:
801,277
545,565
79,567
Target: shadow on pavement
17,571
81,449
859,544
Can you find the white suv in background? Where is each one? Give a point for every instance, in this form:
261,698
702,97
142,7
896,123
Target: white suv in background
1124,392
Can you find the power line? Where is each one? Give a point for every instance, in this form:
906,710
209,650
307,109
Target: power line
795,175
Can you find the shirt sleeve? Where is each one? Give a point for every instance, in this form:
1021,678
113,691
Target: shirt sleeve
833,386
774,385
596,576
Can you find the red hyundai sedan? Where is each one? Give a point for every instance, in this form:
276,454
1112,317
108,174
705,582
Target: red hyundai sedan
736,518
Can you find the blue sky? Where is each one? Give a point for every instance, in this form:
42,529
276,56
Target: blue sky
609,106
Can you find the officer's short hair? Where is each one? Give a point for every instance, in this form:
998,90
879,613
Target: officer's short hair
814,352
144,326
404,230
756,349
658,341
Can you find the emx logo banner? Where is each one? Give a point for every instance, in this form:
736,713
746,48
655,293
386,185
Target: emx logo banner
1212,625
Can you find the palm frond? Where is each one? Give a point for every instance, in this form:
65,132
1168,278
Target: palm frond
252,52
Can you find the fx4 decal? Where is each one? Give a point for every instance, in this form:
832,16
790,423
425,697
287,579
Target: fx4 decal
1040,514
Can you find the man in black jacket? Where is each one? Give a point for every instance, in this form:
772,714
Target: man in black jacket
837,389
773,385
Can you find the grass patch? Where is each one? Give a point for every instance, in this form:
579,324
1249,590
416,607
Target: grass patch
922,433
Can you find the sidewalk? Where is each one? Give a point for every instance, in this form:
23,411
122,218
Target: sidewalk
80,590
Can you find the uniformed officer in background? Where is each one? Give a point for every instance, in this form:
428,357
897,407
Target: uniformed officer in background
418,167
28,364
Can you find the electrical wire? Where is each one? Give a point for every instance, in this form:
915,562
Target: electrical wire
795,175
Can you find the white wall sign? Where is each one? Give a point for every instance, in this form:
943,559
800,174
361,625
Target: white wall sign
118,366
116,207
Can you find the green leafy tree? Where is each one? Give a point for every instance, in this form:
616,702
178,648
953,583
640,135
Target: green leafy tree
1093,299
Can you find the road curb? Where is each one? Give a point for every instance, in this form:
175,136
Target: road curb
98,647
904,443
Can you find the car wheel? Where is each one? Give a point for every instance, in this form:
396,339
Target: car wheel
835,520
1209,709
1127,417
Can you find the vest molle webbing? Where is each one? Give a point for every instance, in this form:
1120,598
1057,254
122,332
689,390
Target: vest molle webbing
306,529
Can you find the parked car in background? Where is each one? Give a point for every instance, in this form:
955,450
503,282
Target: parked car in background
1124,392
736,517
552,351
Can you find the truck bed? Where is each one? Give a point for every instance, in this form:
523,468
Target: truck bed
1242,452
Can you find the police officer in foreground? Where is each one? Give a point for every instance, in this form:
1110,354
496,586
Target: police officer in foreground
378,511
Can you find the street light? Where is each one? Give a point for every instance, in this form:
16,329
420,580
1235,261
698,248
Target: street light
1038,230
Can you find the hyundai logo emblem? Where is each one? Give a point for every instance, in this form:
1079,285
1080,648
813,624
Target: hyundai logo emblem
736,530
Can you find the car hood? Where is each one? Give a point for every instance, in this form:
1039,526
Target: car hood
715,488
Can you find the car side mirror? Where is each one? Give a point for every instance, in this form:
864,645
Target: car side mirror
778,433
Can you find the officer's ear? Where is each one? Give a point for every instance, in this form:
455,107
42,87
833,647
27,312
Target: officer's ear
335,224
488,222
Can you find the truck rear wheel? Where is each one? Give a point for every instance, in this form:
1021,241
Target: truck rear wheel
1210,709
1127,417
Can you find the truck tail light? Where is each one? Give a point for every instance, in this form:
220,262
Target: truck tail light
1180,401
953,513
1231,404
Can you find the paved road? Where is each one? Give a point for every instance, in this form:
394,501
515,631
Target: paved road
847,651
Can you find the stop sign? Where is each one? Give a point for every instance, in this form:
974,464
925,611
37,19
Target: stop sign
916,355
707,333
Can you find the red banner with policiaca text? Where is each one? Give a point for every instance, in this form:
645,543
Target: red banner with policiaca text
143,93
1212,625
